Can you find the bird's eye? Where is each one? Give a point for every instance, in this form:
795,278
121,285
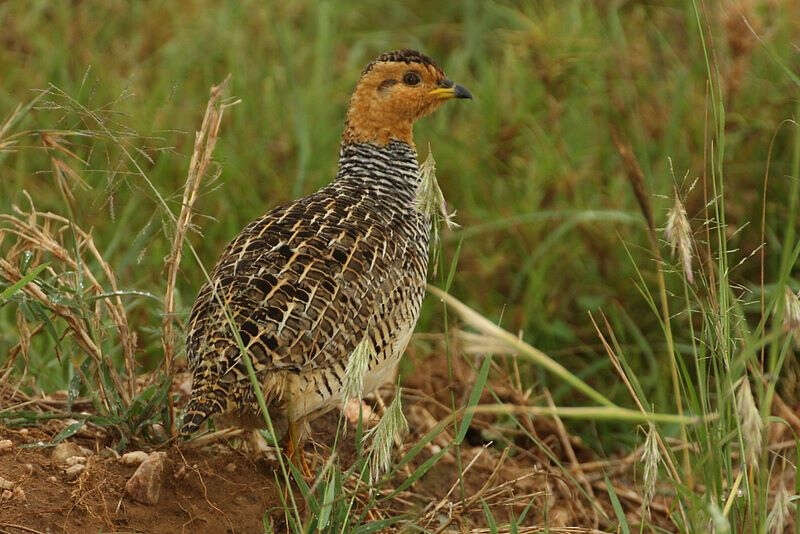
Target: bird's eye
411,78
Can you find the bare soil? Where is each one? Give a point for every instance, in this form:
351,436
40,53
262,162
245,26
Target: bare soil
221,488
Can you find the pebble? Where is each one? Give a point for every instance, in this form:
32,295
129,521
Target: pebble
133,458
19,494
5,445
180,473
65,450
52,480
6,484
6,495
74,460
74,471
145,484
230,468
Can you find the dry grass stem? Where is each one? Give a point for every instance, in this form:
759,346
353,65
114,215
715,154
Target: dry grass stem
204,143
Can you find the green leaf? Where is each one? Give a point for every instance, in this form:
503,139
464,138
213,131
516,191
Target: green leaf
67,432
490,520
474,397
327,504
378,526
618,511
417,474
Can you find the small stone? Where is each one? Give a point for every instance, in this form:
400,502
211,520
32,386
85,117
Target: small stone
23,431
180,473
30,469
19,494
5,445
133,458
65,450
7,495
74,471
86,452
230,468
145,484
52,480
158,432
74,460
6,484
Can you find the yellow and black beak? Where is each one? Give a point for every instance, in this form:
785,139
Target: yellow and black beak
448,90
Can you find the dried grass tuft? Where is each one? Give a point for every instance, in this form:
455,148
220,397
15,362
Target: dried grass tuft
204,142
68,287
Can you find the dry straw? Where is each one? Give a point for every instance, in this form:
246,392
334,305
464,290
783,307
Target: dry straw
204,143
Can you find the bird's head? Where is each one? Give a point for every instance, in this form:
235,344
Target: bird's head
394,91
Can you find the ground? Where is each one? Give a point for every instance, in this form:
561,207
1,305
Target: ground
221,488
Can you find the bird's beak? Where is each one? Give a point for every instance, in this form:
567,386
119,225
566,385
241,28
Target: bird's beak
448,90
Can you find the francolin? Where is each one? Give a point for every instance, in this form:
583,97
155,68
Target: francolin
309,281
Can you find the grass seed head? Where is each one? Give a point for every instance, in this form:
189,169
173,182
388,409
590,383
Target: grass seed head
778,517
791,314
392,426
650,458
750,422
679,234
357,364
719,523
430,201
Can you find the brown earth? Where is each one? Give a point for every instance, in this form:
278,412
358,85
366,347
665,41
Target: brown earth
220,488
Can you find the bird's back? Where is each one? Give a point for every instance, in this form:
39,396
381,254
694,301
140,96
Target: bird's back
304,284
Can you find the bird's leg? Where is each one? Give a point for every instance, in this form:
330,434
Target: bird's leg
294,450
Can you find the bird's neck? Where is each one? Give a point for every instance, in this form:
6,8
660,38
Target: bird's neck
390,169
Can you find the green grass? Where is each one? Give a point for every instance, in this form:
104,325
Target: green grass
551,230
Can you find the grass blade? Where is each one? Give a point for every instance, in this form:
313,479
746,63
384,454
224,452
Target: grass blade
22,282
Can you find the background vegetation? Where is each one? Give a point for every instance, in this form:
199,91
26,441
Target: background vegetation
571,98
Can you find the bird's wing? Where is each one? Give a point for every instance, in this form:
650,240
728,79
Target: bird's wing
299,284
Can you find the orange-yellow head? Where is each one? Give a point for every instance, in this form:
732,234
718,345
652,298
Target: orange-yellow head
394,91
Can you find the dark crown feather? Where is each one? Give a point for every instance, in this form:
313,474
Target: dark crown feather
406,56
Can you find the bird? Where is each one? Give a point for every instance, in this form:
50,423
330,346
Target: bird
303,285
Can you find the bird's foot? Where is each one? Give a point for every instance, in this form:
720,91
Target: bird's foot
294,450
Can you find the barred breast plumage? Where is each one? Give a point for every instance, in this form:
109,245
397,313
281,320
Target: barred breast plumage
304,284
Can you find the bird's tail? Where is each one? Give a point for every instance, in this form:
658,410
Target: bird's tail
200,408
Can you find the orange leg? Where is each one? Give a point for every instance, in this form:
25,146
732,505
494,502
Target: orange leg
294,449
